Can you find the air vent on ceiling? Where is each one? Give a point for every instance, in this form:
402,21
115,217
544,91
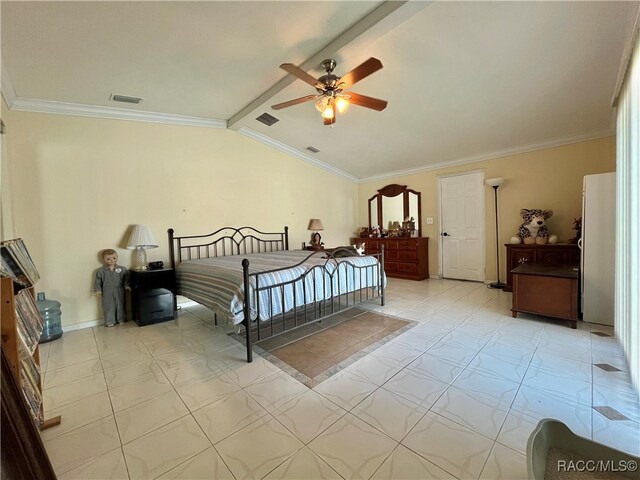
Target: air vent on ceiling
312,149
267,119
125,99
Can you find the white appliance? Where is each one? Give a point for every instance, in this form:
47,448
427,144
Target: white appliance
597,246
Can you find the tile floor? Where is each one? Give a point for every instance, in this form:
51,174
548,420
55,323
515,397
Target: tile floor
455,397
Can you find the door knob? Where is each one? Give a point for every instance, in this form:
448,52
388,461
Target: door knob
445,234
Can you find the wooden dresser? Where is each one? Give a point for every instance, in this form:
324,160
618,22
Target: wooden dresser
404,257
555,254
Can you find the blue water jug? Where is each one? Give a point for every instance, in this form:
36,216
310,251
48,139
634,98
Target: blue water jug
52,316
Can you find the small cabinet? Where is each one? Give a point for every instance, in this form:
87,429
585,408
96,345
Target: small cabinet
550,254
153,297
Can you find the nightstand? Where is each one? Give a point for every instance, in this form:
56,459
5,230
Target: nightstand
153,298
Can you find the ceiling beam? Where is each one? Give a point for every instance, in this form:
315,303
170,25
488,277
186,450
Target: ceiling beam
386,17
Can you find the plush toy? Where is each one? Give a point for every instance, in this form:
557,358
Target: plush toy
534,228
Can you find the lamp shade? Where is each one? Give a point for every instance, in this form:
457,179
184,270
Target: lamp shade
495,182
315,224
141,236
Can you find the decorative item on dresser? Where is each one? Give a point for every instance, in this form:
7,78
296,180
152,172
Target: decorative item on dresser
548,254
403,257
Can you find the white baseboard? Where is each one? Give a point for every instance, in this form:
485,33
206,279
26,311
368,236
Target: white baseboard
80,326
183,302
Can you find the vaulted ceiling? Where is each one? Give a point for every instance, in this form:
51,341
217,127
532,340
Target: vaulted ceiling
464,80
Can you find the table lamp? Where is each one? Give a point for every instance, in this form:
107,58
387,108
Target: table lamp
141,238
315,224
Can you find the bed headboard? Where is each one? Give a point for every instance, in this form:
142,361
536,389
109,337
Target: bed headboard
224,242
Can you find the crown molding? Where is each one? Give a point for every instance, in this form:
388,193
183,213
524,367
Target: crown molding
295,153
625,60
490,156
76,109
63,108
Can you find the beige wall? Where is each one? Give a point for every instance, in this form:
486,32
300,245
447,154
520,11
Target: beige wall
549,179
79,183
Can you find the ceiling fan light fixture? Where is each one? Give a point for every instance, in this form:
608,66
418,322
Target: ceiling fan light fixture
330,99
329,111
341,104
321,104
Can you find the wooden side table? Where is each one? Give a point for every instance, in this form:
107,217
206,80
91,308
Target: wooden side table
549,290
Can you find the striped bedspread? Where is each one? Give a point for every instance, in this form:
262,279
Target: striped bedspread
217,283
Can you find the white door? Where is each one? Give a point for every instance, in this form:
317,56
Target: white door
462,226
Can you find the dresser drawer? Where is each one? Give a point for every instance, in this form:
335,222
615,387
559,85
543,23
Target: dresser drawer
391,245
372,246
407,245
391,267
407,255
408,267
402,255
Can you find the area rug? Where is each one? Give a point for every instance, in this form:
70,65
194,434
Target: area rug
315,352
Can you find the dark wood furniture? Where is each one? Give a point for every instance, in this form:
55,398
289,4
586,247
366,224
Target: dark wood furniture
24,366
549,290
404,257
153,296
23,454
555,254
408,203
322,289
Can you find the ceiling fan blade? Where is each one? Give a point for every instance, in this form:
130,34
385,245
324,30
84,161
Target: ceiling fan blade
301,74
361,71
368,102
296,101
329,121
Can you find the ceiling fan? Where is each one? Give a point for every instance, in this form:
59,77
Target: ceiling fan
331,97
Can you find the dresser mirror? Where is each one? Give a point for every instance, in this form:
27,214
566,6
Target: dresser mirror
395,203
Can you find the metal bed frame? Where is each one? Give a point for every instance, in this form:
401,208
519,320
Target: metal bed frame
228,241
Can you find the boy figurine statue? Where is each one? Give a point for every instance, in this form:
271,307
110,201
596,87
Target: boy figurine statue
111,281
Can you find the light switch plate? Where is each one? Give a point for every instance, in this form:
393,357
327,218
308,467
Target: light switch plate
429,220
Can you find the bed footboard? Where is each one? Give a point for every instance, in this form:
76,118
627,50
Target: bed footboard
322,290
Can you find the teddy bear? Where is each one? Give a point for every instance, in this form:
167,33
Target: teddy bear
534,228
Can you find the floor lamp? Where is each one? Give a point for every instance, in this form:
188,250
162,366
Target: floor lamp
495,183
